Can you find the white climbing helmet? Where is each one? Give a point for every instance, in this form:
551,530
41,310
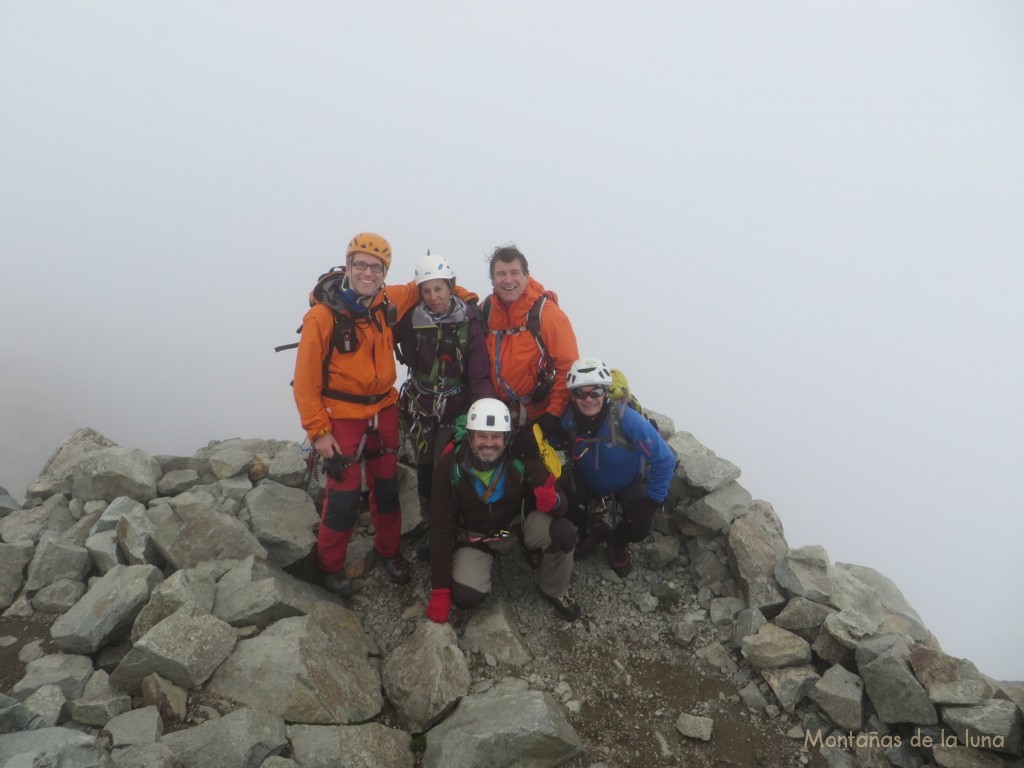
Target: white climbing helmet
433,268
488,415
588,372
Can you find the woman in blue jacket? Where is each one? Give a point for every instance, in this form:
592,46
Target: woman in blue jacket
613,452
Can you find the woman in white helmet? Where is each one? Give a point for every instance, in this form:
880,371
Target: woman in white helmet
613,451
441,341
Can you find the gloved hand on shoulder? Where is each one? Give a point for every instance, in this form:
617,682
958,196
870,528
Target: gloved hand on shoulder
551,426
440,605
524,445
546,496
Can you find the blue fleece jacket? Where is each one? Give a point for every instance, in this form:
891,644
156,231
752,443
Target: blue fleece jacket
608,467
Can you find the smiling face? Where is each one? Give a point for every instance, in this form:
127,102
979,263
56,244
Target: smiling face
436,294
509,280
586,402
366,274
487,446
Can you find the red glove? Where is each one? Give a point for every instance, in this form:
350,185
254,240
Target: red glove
440,605
546,496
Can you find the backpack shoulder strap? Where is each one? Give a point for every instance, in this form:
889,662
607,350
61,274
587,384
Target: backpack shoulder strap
533,318
534,315
615,415
546,374
519,467
403,336
456,475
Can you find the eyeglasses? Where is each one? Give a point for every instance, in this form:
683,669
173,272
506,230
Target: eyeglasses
588,394
362,266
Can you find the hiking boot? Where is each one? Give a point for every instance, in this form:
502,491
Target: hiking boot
619,559
598,532
423,546
396,568
565,606
339,583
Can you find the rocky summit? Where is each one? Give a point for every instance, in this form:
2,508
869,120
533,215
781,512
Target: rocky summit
165,612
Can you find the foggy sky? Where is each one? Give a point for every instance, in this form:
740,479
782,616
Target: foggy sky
796,226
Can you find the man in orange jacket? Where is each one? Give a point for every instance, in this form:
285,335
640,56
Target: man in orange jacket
344,390
528,371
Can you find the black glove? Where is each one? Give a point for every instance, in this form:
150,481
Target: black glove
551,426
524,445
334,467
643,508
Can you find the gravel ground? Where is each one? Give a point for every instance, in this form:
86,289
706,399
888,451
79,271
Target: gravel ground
621,677
618,672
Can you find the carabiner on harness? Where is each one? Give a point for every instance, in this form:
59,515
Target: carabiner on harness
580,449
604,509
420,419
471,537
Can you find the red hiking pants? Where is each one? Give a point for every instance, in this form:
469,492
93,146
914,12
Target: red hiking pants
341,505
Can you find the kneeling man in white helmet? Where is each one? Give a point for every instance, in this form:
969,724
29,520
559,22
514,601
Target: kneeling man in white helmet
489,498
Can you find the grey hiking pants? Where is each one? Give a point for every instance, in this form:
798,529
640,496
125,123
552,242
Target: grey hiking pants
471,566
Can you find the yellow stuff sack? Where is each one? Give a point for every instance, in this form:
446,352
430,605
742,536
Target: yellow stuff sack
547,454
619,390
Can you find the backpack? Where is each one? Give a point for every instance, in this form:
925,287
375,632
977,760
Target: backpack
619,390
344,339
545,365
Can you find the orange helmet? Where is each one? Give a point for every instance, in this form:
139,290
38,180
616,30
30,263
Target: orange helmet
372,244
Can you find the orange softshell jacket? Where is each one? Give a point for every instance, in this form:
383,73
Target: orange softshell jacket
368,371
515,365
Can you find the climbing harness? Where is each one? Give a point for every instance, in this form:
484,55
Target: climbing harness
545,364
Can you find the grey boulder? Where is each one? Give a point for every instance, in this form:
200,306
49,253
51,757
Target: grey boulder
355,746
107,610
58,747
111,472
699,466
188,530
755,544
506,725
297,670
184,648
426,675
282,519
242,739
805,572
